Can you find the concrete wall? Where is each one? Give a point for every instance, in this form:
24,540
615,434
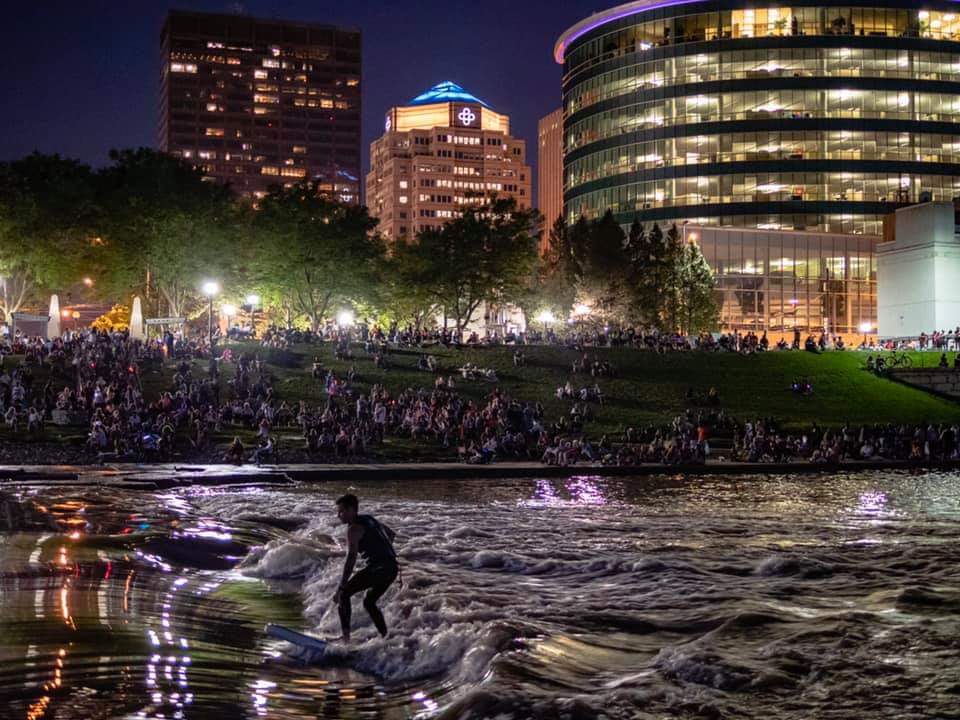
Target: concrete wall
918,274
945,382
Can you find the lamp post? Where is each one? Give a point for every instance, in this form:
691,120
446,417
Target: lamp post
253,300
546,318
345,319
229,311
210,289
581,312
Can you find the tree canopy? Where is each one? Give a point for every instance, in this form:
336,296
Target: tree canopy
312,254
486,256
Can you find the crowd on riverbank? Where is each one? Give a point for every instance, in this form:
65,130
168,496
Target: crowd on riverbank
578,336
96,381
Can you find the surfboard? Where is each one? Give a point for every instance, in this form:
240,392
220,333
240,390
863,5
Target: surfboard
307,642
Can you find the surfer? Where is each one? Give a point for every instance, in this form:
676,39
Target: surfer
374,541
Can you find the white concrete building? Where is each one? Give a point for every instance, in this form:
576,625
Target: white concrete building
918,272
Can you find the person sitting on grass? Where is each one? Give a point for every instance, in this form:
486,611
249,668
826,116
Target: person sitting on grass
265,450
235,453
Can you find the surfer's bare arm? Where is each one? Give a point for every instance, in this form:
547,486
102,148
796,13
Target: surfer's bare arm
353,544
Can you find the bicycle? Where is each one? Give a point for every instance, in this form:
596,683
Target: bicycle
897,361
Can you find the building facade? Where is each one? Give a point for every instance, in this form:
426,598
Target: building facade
550,170
777,281
255,103
441,151
813,115
918,271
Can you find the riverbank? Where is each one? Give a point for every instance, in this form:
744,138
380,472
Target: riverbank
163,476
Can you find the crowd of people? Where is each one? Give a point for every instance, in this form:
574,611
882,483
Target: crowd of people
97,380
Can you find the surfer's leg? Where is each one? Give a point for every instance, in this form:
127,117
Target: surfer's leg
358,583
375,593
344,609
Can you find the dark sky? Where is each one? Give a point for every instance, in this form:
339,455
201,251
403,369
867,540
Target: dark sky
80,78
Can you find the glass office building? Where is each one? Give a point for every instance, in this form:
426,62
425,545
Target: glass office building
775,281
819,117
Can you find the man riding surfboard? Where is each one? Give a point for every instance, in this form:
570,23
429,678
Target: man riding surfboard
374,541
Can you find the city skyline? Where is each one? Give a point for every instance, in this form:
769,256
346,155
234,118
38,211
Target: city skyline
92,96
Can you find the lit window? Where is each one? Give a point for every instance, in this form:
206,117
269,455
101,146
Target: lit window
183,67
267,170
293,172
326,104
233,61
270,63
299,149
353,82
403,199
260,74
403,184
262,111
188,153
214,132
207,155
268,99
211,107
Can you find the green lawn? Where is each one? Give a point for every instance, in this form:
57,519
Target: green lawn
651,388
647,388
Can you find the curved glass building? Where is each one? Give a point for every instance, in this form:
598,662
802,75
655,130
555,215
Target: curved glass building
813,115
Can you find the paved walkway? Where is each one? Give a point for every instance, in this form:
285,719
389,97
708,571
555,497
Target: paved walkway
159,476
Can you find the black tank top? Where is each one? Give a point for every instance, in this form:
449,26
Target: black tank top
375,545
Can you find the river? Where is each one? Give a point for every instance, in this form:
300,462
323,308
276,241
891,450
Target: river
833,596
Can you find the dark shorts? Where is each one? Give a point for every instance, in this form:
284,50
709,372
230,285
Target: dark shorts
377,579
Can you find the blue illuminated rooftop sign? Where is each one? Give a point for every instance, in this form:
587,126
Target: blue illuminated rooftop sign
446,92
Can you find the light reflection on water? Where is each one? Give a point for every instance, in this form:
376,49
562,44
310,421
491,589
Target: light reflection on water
133,614
576,490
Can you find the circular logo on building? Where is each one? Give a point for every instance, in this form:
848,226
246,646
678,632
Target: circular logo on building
388,124
467,116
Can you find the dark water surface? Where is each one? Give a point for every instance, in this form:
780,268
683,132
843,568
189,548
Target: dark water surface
752,597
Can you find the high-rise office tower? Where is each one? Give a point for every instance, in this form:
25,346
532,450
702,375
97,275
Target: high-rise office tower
550,171
442,150
255,102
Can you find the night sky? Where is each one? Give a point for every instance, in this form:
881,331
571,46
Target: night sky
80,78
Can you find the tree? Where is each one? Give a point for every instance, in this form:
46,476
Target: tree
553,285
696,306
165,230
486,255
47,215
601,263
313,254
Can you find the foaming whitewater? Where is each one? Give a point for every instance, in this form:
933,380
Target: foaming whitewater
773,597
752,597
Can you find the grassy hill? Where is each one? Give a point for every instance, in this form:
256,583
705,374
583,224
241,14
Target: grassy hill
647,388
651,388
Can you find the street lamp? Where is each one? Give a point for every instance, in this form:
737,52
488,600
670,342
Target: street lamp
229,311
580,313
252,301
546,318
88,281
210,288
345,318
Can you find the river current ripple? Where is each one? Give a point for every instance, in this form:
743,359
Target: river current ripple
833,596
